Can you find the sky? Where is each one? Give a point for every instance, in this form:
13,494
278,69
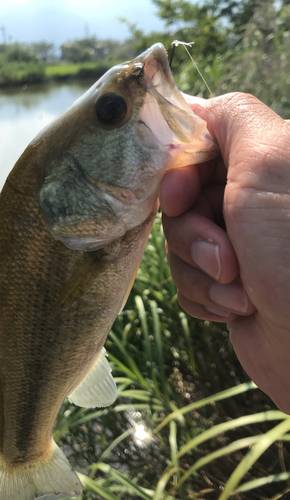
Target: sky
57,21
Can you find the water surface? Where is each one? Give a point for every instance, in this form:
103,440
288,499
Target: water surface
24,112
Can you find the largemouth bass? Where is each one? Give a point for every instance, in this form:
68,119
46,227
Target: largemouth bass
76,212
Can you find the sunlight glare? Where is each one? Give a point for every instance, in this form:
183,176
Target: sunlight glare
141,434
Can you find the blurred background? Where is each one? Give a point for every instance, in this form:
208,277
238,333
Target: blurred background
188,424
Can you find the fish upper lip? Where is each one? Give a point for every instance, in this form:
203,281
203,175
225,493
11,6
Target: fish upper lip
155,61
151,68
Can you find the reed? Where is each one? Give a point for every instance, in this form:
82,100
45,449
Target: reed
186,424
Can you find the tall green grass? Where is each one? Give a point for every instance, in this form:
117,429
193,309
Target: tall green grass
198,443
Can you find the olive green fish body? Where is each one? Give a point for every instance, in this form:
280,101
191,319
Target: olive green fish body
40,344
75,215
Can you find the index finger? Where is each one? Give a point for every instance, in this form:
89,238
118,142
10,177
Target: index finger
181,187
178,189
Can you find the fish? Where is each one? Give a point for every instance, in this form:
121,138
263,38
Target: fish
76,212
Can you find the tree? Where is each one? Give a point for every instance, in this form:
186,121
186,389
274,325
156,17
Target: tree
18,52
44,50
194,23
237,13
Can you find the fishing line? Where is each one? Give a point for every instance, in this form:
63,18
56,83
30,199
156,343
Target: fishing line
178,42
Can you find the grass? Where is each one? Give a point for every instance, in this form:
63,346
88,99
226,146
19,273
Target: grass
20,73
179,379
256,65
80,70
67,69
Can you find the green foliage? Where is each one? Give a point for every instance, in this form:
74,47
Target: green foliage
179,382
83,59
91,49
19,64
87,70
44,51
80,50
238,13
173,11
18,52
191,23
257,64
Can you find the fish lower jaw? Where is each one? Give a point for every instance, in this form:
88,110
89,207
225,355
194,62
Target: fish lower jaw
89,244
127,216
128,219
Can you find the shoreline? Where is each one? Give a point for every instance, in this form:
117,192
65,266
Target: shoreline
53,74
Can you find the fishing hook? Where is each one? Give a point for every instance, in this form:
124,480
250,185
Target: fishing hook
173,45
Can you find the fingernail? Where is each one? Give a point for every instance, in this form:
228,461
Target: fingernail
205,254
218,312
231,297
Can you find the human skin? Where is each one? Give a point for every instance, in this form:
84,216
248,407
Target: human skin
227,226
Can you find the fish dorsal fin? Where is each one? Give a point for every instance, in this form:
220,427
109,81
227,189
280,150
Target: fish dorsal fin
98,388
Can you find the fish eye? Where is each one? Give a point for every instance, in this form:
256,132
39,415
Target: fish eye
111,109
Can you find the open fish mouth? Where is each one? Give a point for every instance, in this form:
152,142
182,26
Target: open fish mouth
158,72
166,113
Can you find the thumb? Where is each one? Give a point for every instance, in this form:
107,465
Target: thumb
241,124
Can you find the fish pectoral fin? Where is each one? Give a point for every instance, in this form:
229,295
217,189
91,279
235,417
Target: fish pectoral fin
98,388
81,279
52,476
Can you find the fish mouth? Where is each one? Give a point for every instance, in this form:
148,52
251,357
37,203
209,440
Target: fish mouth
181,133
155,63
159,80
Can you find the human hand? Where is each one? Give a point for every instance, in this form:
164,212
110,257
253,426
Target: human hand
227,225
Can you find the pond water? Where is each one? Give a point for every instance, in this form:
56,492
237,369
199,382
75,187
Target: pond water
24,112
